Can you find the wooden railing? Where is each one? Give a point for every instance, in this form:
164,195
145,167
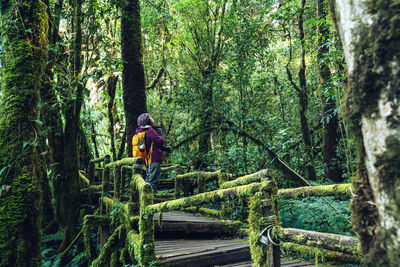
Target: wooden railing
134,226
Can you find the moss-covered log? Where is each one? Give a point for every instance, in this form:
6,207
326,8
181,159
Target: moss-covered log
125,161
117,181
93,189
204,211
146,246
177,168
248,179
187,181
92,165
91,220
314,191
84,179
105,181
132,243
25,53
103,259
262,214
318,255
212,197
340,243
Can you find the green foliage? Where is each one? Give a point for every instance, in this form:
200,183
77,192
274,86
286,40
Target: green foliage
314,214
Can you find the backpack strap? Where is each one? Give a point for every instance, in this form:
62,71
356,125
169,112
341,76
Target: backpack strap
147,160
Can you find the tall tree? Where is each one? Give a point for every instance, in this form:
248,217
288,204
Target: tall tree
66,186
331,121
370,35
133,73
25,49
302,93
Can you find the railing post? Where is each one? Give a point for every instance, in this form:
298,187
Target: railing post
146,246
117,181
106,174
91,172
262,218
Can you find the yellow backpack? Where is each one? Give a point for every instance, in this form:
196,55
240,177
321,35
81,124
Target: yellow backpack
139,148
138,145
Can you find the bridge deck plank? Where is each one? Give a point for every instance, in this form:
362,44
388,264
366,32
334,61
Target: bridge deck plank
202,252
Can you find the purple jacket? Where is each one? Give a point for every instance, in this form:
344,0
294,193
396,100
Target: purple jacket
157,138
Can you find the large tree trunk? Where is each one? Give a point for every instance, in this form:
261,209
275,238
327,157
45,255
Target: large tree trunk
66,187
133,73
50,115
370,36
303,100
333,170
21,194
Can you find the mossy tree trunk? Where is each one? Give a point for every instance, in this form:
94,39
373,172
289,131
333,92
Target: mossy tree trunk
66,186
331,158
370,35
50,115
111,88
133,74
303,99
25,47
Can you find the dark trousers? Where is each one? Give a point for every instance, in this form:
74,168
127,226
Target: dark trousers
154,176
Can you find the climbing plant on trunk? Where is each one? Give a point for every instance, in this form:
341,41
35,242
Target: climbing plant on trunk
371,42
25,46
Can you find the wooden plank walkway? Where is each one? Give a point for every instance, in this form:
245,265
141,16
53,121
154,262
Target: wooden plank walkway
202,252
186,223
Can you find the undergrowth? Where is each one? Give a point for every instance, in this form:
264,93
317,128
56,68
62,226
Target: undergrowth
315,214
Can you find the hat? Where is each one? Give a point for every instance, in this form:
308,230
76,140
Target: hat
143,119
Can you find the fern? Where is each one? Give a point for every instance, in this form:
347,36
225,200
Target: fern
314,214
75,261
53,237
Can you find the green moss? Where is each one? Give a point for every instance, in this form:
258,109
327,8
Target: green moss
247,179
258,220
25,54
204,211
212,197
125,161
108,249
318,254
323,190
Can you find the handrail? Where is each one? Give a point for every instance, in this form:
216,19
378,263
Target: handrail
340,243
262,209
211,197
201,177
315,191
344,246
247,179
92,163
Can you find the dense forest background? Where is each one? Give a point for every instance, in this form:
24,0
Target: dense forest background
236,85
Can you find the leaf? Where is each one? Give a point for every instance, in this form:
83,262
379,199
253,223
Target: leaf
24,144
38,122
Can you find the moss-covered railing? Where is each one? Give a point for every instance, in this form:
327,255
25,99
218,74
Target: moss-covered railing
92,164
262,209
185,183
120,169
324,246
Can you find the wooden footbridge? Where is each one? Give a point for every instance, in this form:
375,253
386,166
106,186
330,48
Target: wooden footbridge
187,225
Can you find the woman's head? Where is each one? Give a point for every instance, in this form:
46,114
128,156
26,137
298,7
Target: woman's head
144,119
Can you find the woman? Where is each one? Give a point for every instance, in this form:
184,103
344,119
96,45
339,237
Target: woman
154,142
